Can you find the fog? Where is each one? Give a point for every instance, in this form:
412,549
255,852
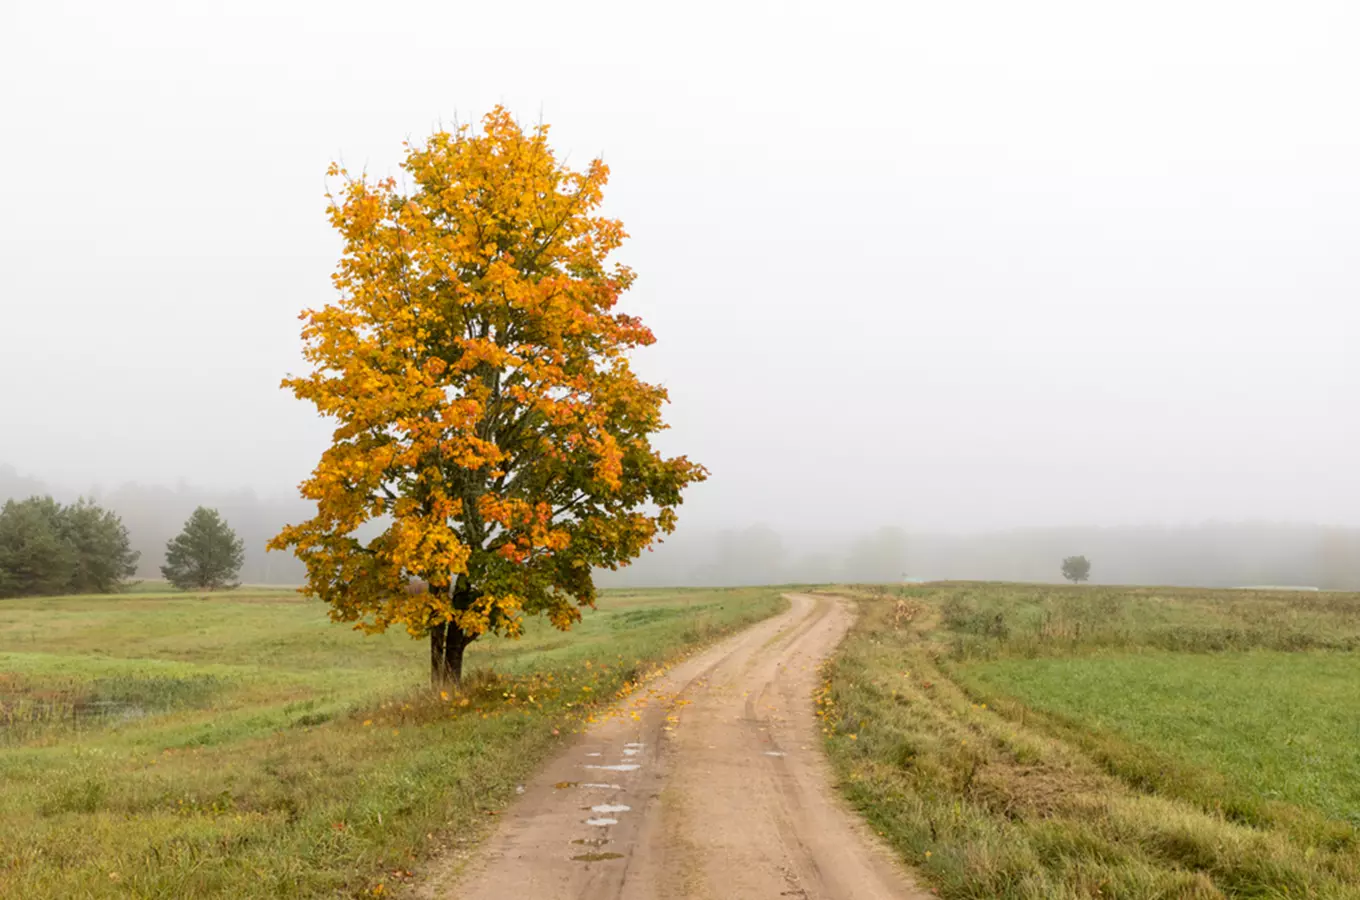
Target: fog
941,290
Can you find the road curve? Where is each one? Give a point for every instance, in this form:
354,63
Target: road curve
716,789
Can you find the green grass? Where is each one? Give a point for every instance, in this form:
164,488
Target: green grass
1278,726
1049,742
240,745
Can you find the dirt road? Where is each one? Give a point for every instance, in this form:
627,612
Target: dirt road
707,784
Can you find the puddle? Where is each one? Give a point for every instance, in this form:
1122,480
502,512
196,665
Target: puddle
596,857
592,842
611,808
117,710
774,752
635,745
631,751
26,709
601,822
595,784
594,754
563,785
621,767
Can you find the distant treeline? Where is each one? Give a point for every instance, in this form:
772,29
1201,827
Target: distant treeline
1210,554
154,515
1207,555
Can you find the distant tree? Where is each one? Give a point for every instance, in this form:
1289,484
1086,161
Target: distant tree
1076,569
34,557
206,556
104,559
46,548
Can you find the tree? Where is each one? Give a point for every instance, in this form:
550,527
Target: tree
104,558
1076,569
206,556
488,419
35,558
46,548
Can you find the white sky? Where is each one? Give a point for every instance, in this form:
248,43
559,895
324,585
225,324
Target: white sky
947,265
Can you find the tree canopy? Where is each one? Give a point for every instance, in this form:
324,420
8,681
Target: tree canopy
206,555
1076,569
490,428
47,548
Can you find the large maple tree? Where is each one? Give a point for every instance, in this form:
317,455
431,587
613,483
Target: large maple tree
493,443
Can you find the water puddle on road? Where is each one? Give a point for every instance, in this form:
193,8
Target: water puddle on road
621,767
602,822
774,752
611,808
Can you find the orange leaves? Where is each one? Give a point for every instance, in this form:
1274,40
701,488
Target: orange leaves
419,543
503,611
492,439
475,352
563,616
608,460
530,523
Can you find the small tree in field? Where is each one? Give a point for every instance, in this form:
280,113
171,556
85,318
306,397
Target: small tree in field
1076,569
488,418
206,556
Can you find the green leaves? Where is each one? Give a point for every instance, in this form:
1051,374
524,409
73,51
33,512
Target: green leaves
1076,569
46,548
206,555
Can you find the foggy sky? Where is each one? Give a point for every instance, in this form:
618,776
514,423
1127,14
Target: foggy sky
952,266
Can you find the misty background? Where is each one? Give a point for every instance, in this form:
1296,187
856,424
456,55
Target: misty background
941,290
1214,554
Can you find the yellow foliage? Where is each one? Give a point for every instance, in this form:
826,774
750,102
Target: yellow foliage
492,439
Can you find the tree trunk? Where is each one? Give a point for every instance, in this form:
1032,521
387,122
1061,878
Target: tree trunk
454,645
438,673
447,643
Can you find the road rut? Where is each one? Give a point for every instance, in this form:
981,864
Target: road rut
716,789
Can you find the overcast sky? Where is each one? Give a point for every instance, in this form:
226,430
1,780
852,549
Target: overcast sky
952,265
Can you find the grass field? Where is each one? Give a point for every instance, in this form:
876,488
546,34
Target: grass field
240,745
1052,742
1277,726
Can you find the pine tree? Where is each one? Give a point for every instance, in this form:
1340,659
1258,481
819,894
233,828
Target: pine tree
207,554
104,557
47,548
35,558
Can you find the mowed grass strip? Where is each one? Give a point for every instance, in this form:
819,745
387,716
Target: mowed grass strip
988,797
240,745
1278,726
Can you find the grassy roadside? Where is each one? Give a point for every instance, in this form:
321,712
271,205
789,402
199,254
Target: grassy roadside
1268,735
1016,742
240,746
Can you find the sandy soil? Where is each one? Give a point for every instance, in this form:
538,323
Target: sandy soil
709,783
